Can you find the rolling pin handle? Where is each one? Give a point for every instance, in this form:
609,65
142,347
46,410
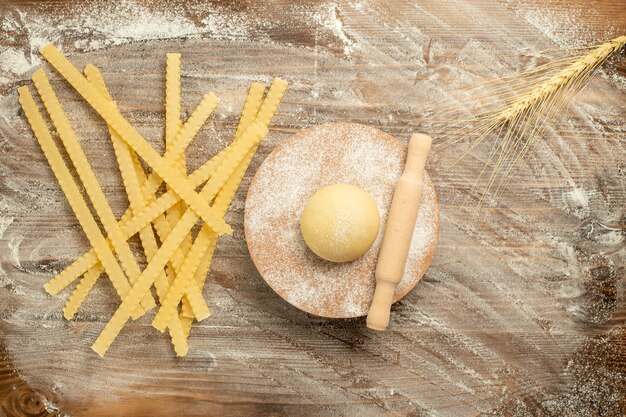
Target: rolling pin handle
399,228
380,310
418,149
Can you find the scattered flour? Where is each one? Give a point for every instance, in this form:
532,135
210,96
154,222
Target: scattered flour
100,24
494,271
5,222
328,17
564,25
577,201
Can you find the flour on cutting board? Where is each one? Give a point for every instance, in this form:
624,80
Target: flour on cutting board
325,155
466,286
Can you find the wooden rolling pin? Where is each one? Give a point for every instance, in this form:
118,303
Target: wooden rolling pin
405,205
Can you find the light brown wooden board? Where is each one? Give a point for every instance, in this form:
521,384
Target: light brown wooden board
521,313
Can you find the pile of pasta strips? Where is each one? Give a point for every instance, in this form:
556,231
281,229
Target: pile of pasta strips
177,263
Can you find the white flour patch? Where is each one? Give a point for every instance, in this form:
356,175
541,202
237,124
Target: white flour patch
328,17
558,26
14,247
14,62
103,24
5,222
577,201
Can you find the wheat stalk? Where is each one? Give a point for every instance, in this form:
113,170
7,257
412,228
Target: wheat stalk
557,82
520,119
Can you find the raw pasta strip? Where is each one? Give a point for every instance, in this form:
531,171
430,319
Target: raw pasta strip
137,164
200,275
187,322
131,176
264,115
250,108
80,292
186,274
111,115
221,203
172,120
172,98
73,194
90,182
172,126
120,317
71,273
271,102
131,224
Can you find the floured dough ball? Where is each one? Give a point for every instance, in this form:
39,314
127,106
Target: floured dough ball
340,222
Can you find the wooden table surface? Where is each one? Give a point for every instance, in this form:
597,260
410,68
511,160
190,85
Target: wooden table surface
521,313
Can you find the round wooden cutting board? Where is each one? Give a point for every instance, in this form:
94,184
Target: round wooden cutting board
323,155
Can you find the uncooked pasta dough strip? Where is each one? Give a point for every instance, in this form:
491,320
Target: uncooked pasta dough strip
128,168
132,175
263,115
73,195
172,97
187,322
248,113
138,166
80,292
172,126
71,273
186,274
201,273
120,317
131,224
221,203
90,182
271,102
250,108
111,115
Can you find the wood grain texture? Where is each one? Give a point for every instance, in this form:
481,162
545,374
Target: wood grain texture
521,313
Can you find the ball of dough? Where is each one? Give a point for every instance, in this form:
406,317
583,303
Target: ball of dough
340,222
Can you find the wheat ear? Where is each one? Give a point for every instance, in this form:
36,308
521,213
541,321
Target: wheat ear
524,108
